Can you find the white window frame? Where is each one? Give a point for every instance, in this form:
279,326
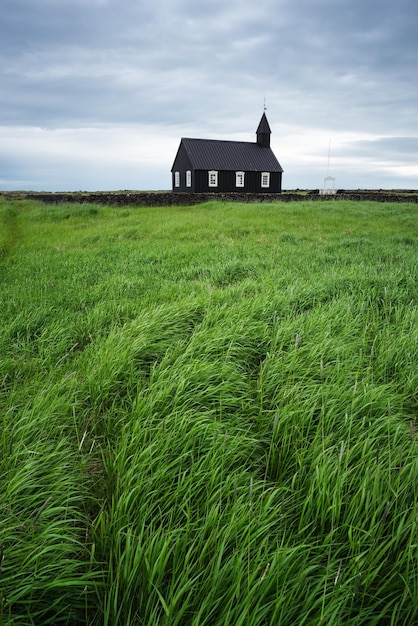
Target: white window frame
239,179
213,178
188,178
265,180
176,179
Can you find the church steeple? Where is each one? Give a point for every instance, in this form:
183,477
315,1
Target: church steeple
263,132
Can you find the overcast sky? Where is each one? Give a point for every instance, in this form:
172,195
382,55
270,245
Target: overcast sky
96,94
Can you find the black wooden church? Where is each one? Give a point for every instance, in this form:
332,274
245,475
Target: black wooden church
212,165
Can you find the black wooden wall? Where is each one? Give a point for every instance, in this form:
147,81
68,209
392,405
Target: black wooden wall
226,182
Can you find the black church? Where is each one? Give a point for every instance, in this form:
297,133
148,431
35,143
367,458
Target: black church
212,165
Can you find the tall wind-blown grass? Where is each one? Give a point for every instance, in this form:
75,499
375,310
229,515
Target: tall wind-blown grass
209,415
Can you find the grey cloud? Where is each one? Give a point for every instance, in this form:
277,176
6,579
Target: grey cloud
335,65
403,148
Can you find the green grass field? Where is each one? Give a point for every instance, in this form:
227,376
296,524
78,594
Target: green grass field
209,414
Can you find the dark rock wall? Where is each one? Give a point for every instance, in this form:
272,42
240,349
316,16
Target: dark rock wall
168,198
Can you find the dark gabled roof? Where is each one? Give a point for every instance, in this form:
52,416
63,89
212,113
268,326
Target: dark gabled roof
216,154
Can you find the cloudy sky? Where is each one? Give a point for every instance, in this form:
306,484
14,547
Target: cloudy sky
96,94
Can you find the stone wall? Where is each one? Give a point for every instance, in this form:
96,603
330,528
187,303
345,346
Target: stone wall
168,198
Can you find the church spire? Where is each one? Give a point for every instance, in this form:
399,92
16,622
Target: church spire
263,132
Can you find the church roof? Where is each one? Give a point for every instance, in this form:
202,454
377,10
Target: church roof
216,154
